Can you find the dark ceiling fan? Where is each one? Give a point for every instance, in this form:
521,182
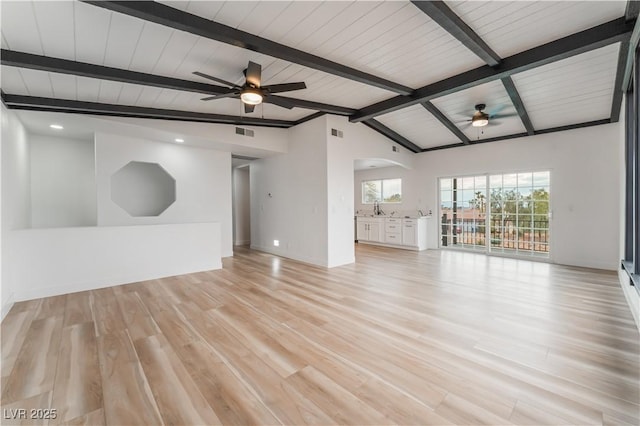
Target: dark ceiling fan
252,93
481,118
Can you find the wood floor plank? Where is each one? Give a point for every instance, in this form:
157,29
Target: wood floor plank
13,331
461,411
397,406
136,316
179,399
94,418
51,306
342,406
78,308
232,401
126,393
78,387
35,369
107,316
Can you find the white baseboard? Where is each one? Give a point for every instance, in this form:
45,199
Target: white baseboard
39,292
283,253
242,243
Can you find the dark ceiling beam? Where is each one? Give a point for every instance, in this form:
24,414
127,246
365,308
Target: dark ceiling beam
510,87
64,66
524,135
632,10
618,89
633,44
81,107
165,15
317,106
446,122
447,19
396,137
575,44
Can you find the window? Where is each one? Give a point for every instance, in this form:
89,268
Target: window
463,212
520,213
499,213
382,190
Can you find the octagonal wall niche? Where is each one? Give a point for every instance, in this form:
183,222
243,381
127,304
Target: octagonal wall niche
143,189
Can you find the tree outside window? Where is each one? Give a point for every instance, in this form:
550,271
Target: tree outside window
382,190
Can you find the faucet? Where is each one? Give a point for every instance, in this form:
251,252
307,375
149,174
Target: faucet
376,208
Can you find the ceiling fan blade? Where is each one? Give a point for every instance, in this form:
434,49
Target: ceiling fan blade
494,111
504,115
494,123
219,80
280,101
220,96
286,87
253,74
249,108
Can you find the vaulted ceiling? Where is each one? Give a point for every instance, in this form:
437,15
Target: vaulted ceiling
412,71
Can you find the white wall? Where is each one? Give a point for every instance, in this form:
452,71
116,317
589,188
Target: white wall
242,206
65,260
295,212
16,202
585,181
203,183
63,183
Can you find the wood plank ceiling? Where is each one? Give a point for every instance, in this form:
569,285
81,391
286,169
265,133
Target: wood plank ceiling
412,71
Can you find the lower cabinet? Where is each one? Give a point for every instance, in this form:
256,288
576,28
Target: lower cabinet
370,229
407,233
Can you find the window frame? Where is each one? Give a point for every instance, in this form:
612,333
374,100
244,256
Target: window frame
488,248
631,261
381,200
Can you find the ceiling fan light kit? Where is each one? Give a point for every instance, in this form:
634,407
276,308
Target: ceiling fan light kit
251,96
480,119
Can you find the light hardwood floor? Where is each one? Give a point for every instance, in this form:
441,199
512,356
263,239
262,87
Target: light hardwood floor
398,337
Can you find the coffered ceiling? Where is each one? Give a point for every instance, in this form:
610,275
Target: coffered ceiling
411,70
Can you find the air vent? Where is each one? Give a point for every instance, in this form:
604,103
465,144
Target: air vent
336,132
245,132
394,148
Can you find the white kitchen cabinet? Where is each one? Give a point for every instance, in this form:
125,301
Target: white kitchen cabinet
409,232
406,233
370,229
393,230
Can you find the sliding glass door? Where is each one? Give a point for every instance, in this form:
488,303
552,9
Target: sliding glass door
463,218
498,213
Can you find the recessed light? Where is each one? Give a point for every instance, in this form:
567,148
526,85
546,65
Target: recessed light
56,126
179,140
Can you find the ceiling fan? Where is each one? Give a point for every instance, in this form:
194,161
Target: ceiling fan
252,93
481,118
